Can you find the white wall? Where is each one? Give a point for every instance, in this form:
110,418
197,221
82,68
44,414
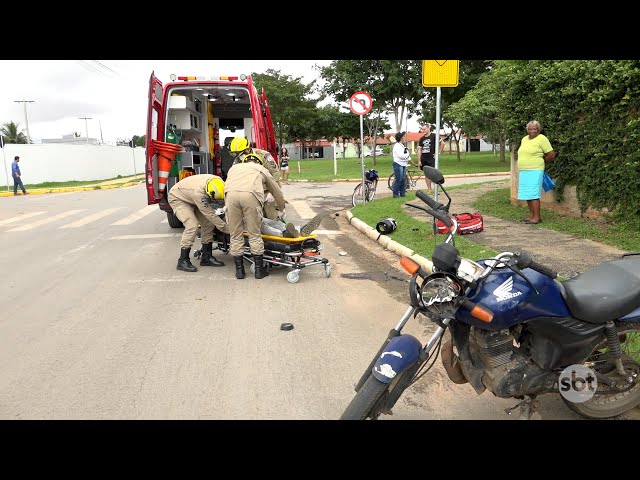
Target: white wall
60,163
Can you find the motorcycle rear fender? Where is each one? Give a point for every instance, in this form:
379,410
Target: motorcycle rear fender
635,315
400,353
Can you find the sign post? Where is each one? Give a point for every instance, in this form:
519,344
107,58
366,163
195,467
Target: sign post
5,160
439,73
360,104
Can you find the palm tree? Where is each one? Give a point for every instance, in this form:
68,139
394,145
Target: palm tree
11,134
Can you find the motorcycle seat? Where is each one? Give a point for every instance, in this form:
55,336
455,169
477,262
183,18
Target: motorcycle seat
607,291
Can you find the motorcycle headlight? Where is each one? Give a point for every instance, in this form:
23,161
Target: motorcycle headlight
439,291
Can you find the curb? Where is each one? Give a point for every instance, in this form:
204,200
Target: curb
387,243
460,175
42,191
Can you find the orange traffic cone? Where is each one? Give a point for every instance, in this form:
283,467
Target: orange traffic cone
166,153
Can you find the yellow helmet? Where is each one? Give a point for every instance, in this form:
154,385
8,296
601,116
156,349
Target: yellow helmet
238,144
252,157
215,188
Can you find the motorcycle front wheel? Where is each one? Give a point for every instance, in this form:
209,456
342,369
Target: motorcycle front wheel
376,397
607,402
364,404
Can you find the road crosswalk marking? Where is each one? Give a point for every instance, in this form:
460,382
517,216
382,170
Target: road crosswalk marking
135,216
91,218
146,235
44,221
303,209
19,217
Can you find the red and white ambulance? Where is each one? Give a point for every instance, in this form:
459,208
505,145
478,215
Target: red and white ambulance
202,115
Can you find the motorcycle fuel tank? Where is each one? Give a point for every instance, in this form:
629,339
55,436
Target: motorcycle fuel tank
513,301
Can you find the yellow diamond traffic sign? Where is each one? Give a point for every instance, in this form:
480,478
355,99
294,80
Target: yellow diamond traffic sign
440,73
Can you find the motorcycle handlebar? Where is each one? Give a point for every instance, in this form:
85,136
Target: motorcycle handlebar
525,261
429,201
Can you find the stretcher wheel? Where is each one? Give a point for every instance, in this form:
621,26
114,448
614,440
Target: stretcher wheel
327,270
293,276
253,268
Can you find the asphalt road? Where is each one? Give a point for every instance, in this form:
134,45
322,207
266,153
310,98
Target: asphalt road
98,324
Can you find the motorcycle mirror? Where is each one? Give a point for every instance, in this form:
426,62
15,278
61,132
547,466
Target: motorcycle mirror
433,174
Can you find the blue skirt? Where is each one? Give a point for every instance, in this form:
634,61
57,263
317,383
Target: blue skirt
530,184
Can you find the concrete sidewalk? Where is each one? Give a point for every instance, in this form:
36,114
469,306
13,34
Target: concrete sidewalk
114,183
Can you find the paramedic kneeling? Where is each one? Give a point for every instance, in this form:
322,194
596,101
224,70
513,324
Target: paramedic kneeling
244,197
194,201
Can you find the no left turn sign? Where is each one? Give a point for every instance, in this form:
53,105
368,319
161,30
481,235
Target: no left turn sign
360,103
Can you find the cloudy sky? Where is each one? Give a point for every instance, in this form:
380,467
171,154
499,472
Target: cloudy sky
113,93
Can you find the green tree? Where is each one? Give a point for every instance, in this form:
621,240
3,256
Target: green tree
291,102
12,134
138,141
589,110
394,85
470,71
477,112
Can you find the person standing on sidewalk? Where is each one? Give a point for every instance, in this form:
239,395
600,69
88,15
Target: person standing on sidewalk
17,178
284,165
401,158
535,151
427,149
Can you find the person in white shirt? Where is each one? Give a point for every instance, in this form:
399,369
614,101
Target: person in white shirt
401,159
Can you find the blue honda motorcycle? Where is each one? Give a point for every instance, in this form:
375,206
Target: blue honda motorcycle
515,330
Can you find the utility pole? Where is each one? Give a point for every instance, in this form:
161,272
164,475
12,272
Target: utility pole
86,128
26,120
101,139
133,152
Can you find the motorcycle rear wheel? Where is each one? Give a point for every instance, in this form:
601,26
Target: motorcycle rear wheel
612,404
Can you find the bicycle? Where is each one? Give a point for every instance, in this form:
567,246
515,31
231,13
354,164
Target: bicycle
371,178
410,180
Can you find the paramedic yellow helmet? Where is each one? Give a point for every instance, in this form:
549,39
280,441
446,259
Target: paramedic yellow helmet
252,157
215,188
238,145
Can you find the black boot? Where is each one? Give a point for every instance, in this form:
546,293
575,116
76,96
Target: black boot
261,268
207,259
239,267
184,263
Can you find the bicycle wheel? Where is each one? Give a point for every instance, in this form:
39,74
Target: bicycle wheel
392,180
357,198
409,182
371,190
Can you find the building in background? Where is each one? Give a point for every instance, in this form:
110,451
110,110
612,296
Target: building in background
72,140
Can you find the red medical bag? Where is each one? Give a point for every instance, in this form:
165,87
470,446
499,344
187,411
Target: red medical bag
467,223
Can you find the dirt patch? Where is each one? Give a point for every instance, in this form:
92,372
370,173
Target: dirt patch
566,254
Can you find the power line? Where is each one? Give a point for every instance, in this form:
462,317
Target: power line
88,65
104,66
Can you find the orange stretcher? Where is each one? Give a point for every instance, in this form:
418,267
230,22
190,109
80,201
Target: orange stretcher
295,253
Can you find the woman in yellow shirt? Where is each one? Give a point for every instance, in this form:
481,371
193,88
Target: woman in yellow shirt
535,150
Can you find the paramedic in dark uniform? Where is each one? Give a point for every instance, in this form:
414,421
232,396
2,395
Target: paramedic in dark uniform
194,200
240,147
245,189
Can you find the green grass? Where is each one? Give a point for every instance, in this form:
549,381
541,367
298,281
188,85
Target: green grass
73,183
412,233
620,234
321,170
